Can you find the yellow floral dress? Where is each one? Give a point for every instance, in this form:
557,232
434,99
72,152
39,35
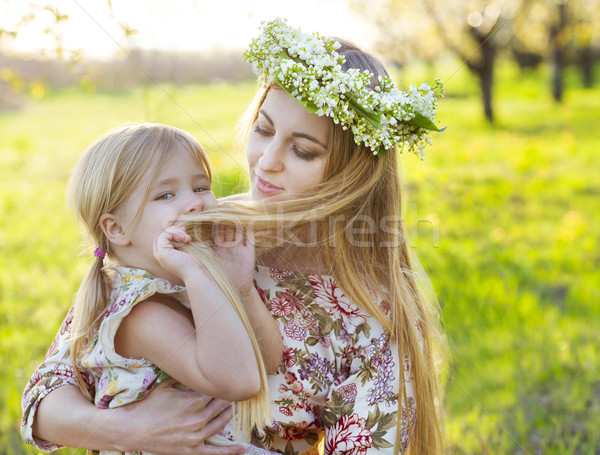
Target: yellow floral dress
113,380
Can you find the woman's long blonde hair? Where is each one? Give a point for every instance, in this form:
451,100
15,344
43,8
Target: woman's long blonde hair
356,212
107,174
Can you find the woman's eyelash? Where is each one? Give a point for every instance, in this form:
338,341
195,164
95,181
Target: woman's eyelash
260,131
302,155
299,153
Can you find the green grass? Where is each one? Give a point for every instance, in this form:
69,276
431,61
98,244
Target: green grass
504,218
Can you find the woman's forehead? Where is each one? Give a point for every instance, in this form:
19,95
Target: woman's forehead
285,112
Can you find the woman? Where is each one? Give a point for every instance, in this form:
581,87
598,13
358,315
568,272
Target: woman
358,370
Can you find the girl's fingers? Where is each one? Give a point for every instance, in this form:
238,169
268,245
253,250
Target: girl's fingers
169,239
177,234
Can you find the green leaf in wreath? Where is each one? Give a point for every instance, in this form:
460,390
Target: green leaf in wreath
423,122
382,151
309,105
367,114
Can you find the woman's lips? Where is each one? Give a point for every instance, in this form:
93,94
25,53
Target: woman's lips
266,187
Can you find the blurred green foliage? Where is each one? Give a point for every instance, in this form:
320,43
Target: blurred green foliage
504,218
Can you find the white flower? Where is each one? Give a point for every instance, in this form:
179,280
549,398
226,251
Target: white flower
318,78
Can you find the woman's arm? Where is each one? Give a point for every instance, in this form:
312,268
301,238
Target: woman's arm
167,421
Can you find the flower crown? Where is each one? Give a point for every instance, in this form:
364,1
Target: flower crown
309,69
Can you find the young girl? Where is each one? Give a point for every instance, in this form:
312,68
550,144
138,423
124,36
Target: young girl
154,310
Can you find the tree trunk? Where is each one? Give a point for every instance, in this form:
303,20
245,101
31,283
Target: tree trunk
483,68
557,34
587,66
557,76
485,72
485,82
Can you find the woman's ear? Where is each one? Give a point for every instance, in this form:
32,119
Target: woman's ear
113,230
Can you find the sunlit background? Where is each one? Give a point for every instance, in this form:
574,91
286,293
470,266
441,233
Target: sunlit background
98,28
504,214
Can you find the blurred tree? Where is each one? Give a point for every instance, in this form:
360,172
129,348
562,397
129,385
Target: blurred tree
405,30
558,44
474,30
564,31
11,81
15,17
586,37
542,29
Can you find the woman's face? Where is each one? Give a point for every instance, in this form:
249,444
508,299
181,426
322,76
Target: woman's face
287,149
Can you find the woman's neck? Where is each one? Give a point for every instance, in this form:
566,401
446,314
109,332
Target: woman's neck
302,259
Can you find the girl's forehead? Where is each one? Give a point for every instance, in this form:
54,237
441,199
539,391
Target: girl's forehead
176,161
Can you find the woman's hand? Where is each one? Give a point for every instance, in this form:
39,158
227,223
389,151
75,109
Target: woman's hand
176,422
234,249
168,421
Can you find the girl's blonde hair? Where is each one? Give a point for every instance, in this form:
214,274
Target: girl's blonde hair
356,213
105,177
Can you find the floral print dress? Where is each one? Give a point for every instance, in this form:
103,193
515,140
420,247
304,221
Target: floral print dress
337,388
111,379
338,382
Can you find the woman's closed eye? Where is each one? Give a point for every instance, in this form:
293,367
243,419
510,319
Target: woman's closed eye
306,156
261,131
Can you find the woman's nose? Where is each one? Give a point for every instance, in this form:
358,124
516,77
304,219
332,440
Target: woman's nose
271,159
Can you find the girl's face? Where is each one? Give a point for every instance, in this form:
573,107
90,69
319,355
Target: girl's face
181,189
286,150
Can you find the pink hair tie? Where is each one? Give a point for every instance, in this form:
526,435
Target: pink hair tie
100,252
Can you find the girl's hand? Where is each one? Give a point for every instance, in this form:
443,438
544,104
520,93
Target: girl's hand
234,249
169,256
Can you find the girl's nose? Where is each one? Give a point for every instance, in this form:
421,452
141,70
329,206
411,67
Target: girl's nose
194,203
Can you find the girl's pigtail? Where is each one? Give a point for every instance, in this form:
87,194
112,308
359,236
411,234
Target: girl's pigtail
90,302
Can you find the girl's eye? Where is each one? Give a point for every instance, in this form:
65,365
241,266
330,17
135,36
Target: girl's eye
259,130
201,189
303,155
166,196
